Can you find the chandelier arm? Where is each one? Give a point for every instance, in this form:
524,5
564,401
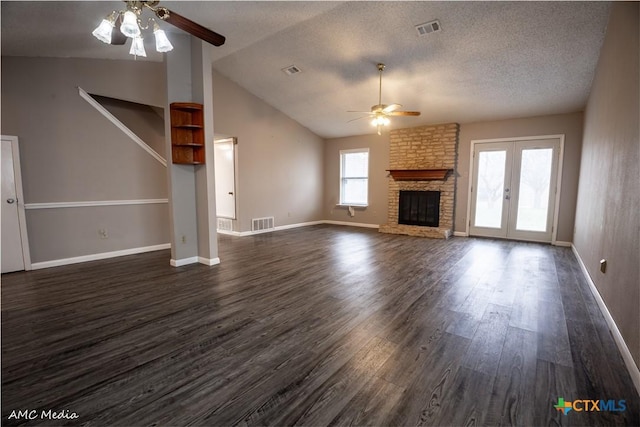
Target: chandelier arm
149,22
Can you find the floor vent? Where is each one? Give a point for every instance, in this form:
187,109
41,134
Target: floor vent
260,224
428,27
225,224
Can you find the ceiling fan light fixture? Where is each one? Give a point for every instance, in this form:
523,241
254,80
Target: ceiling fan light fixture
137,47
162,42
380,120
103,31
129,25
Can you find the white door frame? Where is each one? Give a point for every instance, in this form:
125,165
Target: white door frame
234,143
22,220
556,210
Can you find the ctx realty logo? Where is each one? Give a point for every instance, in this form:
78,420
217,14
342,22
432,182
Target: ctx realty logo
585,405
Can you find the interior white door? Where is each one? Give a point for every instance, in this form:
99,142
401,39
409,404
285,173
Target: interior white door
12,256
513,189
225,173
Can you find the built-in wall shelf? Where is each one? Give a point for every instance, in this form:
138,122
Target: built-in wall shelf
187,133
419,174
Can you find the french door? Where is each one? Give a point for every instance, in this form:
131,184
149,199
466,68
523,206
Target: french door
513,190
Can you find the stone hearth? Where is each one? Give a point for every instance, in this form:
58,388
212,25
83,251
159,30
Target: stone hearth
422,148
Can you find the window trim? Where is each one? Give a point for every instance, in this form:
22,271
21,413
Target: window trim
342,178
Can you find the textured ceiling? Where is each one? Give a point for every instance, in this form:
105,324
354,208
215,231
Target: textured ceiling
492,60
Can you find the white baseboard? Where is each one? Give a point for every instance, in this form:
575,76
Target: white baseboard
229,233
95,257
633,369
300,224
562,244
183,261
352,224
209,261
460,234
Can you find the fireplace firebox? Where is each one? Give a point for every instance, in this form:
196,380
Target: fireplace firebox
419,208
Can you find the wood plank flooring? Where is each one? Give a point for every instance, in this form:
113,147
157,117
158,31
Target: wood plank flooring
322,325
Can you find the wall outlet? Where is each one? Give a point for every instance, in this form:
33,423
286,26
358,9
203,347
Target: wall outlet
184,239
103,233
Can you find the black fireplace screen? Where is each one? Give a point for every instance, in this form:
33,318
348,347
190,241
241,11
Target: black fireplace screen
419,208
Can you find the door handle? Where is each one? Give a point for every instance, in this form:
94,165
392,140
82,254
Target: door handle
11,201
231,193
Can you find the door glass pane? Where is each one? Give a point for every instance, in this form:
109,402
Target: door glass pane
490,190
533,199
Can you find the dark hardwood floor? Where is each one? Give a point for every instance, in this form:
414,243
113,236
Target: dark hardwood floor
321,325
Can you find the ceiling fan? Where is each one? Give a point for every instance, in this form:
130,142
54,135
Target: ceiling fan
118,26
381,112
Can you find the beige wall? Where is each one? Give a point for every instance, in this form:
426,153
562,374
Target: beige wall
376,212
145,121
607,224
568,124
280,162
70,152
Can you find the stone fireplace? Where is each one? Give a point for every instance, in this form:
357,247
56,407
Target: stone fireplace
422,159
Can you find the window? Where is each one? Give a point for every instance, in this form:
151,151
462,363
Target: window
354,177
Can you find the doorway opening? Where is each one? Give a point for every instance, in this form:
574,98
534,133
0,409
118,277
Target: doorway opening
225,182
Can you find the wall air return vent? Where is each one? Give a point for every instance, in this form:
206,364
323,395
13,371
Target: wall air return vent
263,224
428,27
291,70
225,224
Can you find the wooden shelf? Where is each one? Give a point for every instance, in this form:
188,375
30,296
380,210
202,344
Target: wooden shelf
419,174
189,126
187,133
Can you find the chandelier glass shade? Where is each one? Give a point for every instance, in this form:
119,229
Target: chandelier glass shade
132,26
137,47
104,30
129,25
162,42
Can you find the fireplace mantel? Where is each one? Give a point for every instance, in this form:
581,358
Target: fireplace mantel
419,174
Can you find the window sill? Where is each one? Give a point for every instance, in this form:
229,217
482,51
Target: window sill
341,205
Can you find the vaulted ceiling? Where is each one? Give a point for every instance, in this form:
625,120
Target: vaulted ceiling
491,60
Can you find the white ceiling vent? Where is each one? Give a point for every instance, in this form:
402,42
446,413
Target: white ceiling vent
291,70
428,27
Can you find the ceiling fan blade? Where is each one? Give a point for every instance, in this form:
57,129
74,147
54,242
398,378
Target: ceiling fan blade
117,38
190,27
390,108
363,112
358,118
404,113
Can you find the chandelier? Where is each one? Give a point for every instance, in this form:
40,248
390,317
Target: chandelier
123,24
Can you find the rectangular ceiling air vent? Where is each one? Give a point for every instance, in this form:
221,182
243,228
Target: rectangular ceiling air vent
291,70
428,27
